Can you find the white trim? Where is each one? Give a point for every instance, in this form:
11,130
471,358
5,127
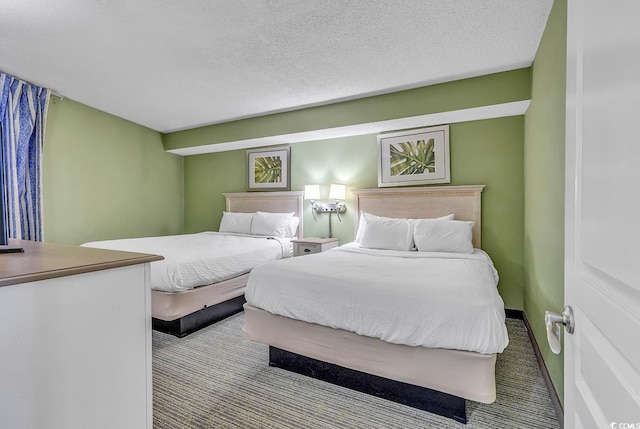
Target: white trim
503,110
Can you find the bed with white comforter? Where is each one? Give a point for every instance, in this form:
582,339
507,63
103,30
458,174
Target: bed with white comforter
203,276
409,312
192,260
427,299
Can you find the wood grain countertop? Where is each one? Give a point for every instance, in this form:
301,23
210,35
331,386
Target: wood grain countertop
41,261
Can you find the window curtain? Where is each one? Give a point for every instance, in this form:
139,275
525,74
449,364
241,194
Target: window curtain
23,114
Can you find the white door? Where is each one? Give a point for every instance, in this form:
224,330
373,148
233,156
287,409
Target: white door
602,237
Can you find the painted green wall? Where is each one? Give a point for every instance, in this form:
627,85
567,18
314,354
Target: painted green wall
106,178
488,152
462,94
544,187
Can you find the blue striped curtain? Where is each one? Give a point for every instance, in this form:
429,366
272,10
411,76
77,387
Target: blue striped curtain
23,114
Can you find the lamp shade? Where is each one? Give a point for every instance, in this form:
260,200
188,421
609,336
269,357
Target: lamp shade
311,192
337,192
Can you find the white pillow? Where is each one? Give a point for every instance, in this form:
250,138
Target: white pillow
437,235
239,223
387,233
293,226
271,224
362,224
365,217
413,221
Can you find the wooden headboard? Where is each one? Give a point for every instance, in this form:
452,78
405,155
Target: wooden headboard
423,202
273,202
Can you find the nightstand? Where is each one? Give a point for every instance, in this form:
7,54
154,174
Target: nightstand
309,245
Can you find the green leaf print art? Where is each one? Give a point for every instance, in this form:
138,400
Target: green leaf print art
268,169
412,157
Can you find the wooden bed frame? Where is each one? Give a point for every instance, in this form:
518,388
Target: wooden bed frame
435,380
181,313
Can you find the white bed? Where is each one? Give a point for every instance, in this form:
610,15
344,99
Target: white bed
426,299
203,276
431,322
200,259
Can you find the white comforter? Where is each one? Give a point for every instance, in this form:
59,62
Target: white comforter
192,260
441,300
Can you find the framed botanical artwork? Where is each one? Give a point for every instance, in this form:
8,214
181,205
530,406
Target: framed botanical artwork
414,157
269,168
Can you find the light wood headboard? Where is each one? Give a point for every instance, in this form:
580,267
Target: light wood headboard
273,202
423,202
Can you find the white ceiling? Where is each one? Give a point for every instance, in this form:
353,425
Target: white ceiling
178,64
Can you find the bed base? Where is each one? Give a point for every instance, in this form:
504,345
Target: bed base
207,316
422,398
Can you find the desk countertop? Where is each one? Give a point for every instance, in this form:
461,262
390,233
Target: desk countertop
41,261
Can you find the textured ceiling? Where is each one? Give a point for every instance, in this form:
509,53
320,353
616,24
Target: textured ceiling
177,64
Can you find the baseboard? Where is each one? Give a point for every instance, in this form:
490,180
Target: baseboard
514,314
557,405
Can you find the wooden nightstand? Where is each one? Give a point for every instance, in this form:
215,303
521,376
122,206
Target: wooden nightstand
309,245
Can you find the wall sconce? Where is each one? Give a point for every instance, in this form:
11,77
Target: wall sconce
336,193
312,193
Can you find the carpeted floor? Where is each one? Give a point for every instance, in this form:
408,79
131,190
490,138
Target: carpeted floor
215,379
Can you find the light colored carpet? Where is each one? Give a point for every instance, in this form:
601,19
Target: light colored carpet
214,378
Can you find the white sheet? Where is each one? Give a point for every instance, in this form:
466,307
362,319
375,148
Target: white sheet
200,259
442,300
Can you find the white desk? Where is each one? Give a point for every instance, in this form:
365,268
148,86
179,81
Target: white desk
75,338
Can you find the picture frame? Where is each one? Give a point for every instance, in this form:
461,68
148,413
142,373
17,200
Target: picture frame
269,168
414,157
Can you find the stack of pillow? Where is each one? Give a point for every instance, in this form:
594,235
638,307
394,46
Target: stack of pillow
282,225
443,234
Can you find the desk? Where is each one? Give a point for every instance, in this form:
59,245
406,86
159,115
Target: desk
75,338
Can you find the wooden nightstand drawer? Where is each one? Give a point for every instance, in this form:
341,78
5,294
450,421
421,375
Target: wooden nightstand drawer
308,246
300,249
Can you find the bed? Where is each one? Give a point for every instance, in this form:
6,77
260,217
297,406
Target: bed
213,267
421,367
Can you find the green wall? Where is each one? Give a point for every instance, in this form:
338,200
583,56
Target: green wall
105,178
544,186
462,94
488,152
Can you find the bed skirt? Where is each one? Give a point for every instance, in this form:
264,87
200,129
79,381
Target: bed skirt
189,323
462,374
418,397
181,313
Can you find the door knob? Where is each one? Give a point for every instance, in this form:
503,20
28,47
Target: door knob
553,321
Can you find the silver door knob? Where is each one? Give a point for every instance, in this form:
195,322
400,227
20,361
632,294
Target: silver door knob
553,321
